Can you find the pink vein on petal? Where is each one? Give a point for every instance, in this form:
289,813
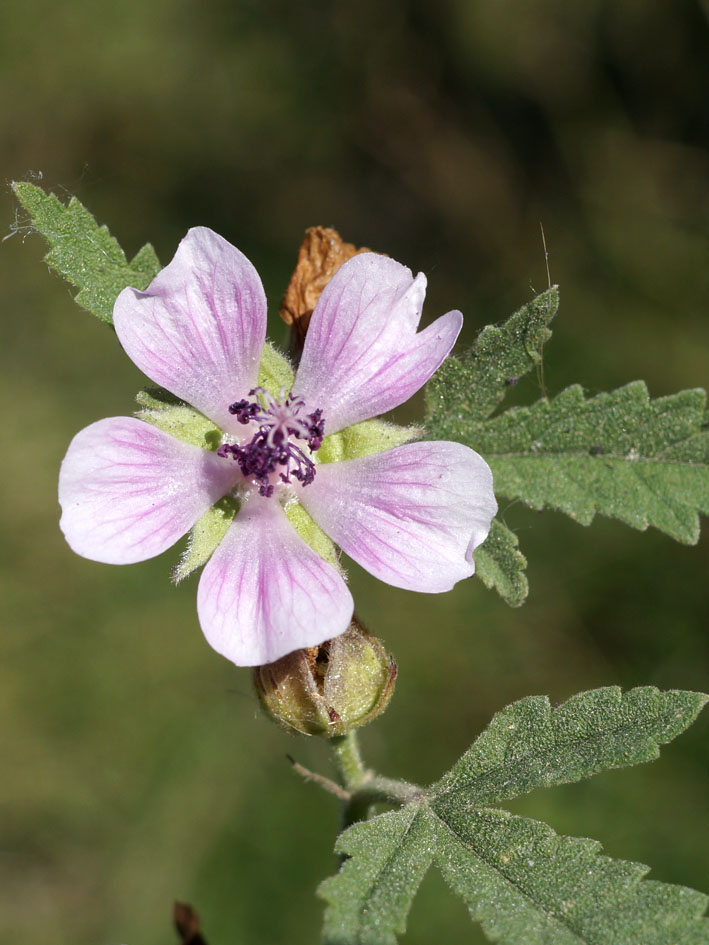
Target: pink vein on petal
417,533
265,592
207,307
128,490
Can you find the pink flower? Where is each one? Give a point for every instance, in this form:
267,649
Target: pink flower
411,515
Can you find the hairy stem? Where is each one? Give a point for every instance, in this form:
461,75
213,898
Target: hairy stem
353,775
348,761
365,788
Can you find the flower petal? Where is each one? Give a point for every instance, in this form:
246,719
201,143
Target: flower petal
199,327
128,491
264,592
362,355
411,516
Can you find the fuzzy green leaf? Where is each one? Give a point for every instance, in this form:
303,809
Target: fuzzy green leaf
84,253
645,462
369,899
501,565
522,882
530,745
466,390
528,886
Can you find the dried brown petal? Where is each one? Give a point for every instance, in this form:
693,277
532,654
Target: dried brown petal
321,254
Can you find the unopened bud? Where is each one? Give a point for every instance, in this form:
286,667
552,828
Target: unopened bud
328,690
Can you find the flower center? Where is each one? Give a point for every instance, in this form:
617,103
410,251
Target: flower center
279,424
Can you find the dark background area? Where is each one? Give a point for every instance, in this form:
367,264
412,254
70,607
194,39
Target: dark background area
136,768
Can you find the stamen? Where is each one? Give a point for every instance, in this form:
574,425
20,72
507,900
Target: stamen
272,445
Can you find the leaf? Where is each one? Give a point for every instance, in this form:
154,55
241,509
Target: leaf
500,564
645,462
466,390
522,882
530,745
528,886
84,253
369,899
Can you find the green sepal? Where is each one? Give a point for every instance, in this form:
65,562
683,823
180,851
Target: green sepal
501,565
204,537
84,253
275,371
364,439
177,418
312,534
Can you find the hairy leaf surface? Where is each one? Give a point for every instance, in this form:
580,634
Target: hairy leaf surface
645,462
501,565
522,882
529,744
84,253
369,899
467,389
526,885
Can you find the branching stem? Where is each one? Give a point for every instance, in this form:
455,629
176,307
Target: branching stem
360,788
325,783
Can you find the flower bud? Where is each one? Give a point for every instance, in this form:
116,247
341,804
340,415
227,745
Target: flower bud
328,690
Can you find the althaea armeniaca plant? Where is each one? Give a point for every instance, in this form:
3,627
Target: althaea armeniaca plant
411,515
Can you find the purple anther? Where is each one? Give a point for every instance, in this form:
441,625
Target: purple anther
244,410
279,423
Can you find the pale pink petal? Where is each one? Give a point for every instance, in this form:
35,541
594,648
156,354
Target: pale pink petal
199,327
411,516
362,355
265,592
128,491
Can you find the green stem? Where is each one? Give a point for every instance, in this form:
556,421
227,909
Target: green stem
364,786
348,761
377,790
353,775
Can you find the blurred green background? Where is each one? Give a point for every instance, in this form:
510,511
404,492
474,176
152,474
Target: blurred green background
136,768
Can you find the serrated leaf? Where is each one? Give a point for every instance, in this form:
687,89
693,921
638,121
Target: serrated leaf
84,253
620,454
369,899
526,885
522,882
501,565
530,745
466,390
